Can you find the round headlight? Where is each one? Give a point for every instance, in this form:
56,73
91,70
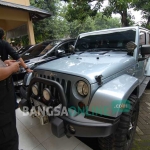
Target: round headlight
35,89
85,89
82,88
47,94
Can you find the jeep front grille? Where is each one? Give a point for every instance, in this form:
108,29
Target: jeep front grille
66,84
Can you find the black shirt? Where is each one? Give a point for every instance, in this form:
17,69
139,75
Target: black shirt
6,49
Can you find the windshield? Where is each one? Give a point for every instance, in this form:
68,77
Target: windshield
105,40
39,49
23,49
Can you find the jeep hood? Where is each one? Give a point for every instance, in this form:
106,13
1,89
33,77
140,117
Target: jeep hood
90,65
33,62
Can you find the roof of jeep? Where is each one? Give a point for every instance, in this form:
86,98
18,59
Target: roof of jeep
112,29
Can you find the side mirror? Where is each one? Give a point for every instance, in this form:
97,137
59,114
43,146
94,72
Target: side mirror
145,49
71,48
59,53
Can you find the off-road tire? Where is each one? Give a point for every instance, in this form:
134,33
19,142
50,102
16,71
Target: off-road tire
148,85
121,139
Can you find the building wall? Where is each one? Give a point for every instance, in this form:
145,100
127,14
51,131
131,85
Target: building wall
17,19
21,2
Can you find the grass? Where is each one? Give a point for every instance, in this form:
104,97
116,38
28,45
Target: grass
141,145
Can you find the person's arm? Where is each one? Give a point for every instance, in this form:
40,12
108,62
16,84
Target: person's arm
11,51
24,65
9,62
7,71
16,56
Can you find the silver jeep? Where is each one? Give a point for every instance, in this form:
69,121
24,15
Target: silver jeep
95,91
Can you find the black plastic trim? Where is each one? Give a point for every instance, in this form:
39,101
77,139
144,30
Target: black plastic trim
89,129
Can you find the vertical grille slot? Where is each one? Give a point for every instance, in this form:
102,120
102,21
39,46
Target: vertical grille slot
63,84
58,80
53,78
53,89
44,86
68,89
48,77
41,85
57,94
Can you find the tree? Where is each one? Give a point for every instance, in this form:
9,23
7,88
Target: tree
58,27
91,24
121,7
80,10
102,22
143,5
49,28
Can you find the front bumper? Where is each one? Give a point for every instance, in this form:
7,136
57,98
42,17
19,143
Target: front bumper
79,124
83,127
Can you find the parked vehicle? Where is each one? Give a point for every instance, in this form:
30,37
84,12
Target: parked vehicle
100,87
24,49
39,49
40,53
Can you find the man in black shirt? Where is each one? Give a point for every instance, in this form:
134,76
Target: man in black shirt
6,49
8,131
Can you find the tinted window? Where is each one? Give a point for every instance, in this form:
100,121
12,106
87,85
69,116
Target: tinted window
34,52
107,40
39,50
23,49
64,46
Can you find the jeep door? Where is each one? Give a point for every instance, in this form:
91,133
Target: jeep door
141,63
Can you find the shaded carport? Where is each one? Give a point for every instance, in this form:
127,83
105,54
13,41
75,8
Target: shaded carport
17,19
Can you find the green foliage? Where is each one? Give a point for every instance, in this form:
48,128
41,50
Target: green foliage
49,5
121,7
139,144
24,40
143,5
80,10
49,28
102,22
58,26
90,24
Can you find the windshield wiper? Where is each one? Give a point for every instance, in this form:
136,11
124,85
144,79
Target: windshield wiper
119,49
107,50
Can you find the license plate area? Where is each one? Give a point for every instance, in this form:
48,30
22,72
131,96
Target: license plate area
40,111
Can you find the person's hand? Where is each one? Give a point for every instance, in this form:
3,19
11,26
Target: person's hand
14,66
9,62
29,70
